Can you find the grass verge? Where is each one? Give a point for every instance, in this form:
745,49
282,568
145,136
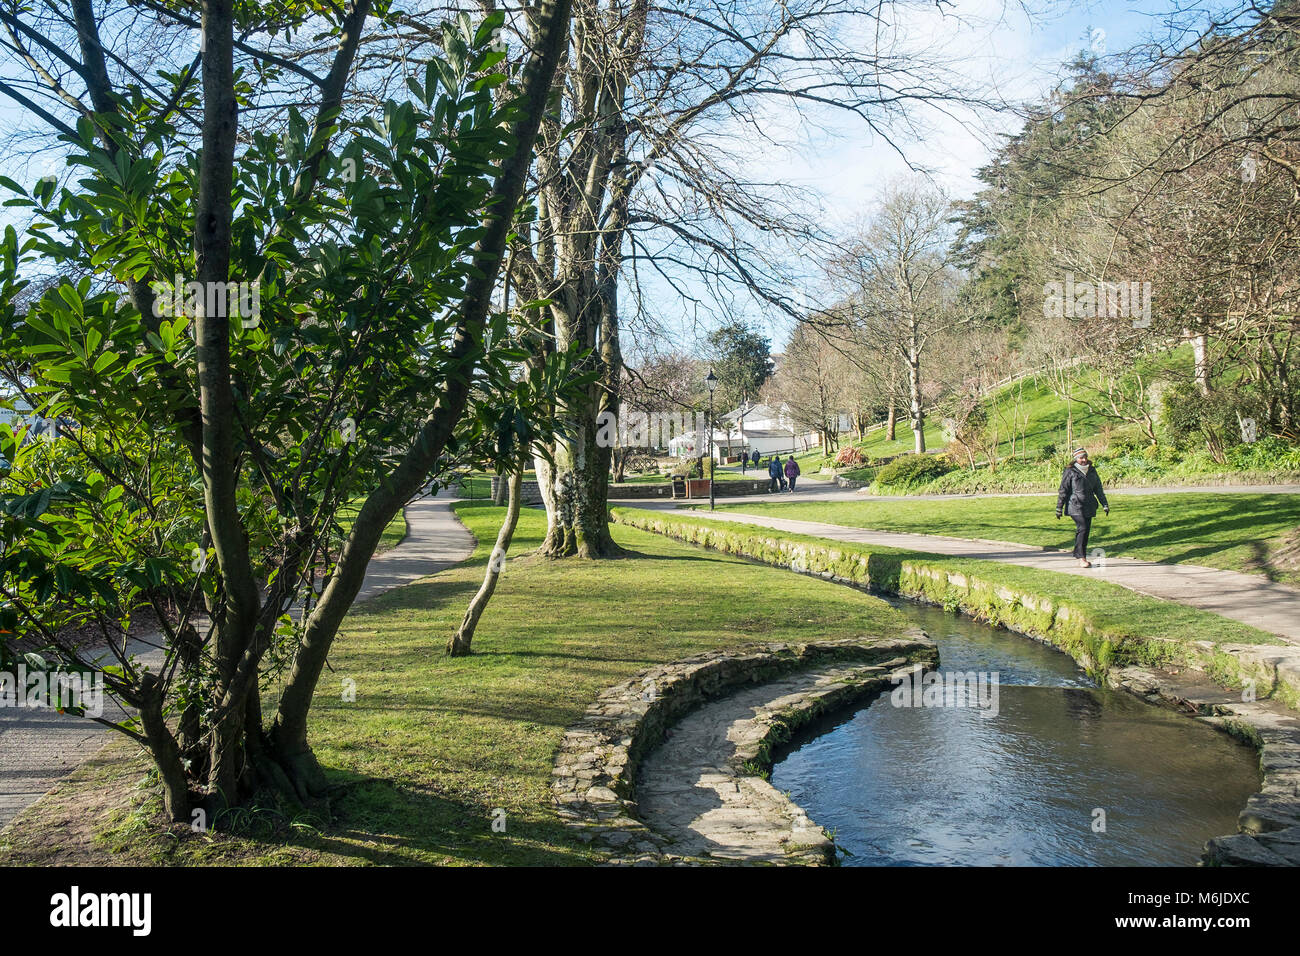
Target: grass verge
1101,625
433,745
393,533
1236,532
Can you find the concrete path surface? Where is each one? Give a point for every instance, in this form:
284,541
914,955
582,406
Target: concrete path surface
38,747
817,488
435,540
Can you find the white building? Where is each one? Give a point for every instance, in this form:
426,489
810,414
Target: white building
753,427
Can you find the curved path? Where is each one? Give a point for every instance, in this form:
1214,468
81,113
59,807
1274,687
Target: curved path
38,747
693,789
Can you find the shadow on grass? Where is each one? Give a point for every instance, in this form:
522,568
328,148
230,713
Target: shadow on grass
1233,519
385,823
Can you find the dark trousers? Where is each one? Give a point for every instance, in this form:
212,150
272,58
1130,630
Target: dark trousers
1082,526
792,478
771,484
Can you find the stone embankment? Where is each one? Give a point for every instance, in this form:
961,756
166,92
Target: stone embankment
723,713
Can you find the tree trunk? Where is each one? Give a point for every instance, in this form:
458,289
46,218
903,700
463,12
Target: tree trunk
575,487
165,752
891,422
289,732
1201,357
918,411
459,643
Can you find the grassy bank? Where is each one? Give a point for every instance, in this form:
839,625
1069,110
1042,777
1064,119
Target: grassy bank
1036,428
433,745
1237,532
1101,625
393,533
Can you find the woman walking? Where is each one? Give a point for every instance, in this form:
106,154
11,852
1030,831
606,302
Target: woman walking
1078,496
791,471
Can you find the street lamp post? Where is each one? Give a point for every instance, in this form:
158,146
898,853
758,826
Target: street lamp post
711,382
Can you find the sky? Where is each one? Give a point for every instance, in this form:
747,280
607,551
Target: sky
998,48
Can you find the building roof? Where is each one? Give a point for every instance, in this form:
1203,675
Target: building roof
753,410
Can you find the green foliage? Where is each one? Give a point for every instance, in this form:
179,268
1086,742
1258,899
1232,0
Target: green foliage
1215,418
742,362
690,468
342,341
908,471
1269,453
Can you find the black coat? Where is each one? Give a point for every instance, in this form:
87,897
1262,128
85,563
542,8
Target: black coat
774,469
1078,495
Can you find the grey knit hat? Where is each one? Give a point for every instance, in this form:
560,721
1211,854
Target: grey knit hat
1081,452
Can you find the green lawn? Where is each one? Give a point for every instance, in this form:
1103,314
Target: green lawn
1240,532
475,487
393,533
1150,621
432,745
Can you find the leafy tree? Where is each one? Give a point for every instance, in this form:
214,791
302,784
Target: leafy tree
742,362
217,435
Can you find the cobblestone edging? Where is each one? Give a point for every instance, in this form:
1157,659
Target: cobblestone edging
1270,823
594,778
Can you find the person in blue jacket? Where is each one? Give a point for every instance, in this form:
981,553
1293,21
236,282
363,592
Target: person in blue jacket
774,474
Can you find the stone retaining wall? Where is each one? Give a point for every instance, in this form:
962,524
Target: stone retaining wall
594,778
1270,823
1062,625
642,489
529,492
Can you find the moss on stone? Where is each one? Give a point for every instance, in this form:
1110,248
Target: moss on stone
1041,604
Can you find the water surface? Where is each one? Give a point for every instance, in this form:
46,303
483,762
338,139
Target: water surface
945,785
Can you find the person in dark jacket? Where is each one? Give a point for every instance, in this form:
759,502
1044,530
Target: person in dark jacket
791,471
773,473
755,457
1078,496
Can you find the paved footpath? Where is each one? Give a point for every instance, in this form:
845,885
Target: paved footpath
1249,598
39,746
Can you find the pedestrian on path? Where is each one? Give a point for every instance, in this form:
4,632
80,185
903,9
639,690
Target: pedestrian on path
1078,496
773,474
791,471
755,457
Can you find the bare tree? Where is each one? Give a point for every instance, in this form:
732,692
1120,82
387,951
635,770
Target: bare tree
905,283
